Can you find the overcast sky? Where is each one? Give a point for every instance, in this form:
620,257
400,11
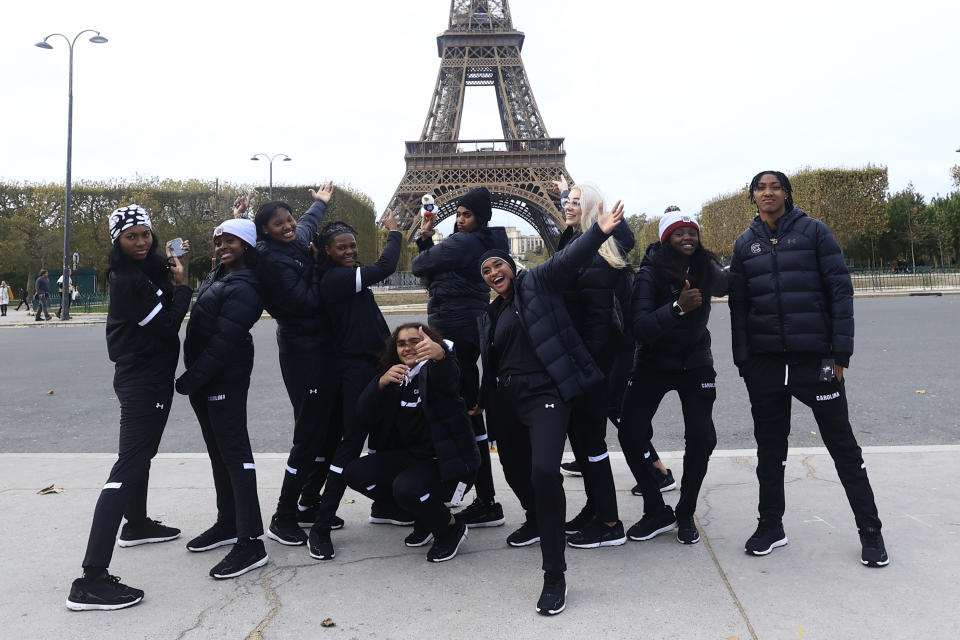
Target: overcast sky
660,103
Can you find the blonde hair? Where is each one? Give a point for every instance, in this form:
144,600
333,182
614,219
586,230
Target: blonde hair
591,198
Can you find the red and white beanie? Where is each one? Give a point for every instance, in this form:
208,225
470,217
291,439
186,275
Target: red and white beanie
672,221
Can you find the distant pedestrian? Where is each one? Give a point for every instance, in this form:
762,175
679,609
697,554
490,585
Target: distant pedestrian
791,314
4,297
148,301
66,294
42,295
24,302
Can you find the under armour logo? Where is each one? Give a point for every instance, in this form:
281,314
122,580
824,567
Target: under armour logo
549,406
313,390
159,406
827,369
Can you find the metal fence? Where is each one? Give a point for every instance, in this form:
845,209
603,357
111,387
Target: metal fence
399,281
905,278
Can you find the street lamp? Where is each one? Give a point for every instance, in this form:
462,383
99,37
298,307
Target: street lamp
286,158
96,39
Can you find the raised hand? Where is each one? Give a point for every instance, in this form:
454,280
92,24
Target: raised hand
178,274
324,193
389,220
394,375
608,221
560,185
427,349
689,299
426,224
241,204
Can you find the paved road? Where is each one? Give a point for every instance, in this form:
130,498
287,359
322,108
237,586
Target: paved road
904,346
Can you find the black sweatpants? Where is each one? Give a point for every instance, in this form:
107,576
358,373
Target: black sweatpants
310,379
413,483
530,421
222,413
143,416
467,354
645,391
588,440
772,383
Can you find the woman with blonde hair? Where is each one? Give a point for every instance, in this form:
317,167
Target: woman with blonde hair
597,305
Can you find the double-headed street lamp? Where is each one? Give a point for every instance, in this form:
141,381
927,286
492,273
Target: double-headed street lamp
96,39
256,158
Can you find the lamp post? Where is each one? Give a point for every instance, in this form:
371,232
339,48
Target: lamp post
256,158
43,44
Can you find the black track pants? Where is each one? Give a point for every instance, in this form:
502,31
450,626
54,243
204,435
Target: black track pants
645,391
771,385
530,421
414,483
222,414
588,439
310,381
467,354
143,416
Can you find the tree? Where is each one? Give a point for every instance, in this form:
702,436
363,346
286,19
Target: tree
636,222
723,219
955,173
944,218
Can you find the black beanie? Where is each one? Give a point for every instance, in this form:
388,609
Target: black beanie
499,254
478,201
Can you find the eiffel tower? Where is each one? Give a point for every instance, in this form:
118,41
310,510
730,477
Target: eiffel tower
481,48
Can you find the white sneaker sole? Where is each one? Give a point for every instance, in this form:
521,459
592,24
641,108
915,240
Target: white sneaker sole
259,563
596,545
654,534
136,543
219,543
273,536
422,543
455,549
488,523
868,563
82,606
524,543
779,543
572,474
396,523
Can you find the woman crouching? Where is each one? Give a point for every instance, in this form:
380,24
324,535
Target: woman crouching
426,449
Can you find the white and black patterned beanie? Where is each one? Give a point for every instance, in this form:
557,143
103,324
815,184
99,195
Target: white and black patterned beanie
126,217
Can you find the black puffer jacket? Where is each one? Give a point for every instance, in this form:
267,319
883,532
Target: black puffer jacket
543,314
599,306
450,426
291,286
790,291
218,346
458,294
143,327
664,341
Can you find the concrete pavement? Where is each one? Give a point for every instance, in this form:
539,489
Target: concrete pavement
815,587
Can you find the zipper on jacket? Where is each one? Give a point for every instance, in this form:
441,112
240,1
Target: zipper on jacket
776,276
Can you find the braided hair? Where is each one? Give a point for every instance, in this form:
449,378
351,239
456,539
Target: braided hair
326,236
784,182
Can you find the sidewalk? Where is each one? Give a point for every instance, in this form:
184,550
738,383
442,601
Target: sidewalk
815,587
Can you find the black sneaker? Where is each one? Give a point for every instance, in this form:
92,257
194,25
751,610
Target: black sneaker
246,555
526,535
768,536
481,514
307,517
218,535
873,554
420,536
321,548
653,524
286,532
389,514
553,598
571,468
598,534
579,521
445,547
134,534
104,593
666,483
687,531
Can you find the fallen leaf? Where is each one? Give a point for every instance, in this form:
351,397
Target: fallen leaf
813,433
349,501
921,391
328,623
49,490
50,393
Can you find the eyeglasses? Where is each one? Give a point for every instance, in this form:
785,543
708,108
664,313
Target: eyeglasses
574,202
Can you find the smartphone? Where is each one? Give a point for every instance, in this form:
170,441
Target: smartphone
176,247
